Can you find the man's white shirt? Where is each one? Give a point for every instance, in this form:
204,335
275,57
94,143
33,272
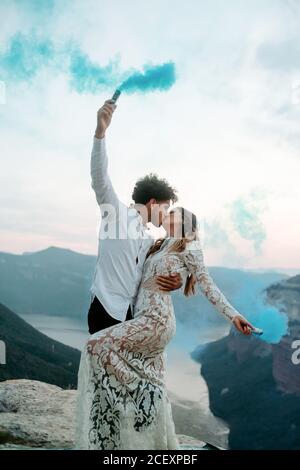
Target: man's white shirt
123,242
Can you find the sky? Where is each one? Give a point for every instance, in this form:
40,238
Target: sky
221,125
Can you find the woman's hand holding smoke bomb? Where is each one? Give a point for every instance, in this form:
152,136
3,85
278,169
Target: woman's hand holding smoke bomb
243,325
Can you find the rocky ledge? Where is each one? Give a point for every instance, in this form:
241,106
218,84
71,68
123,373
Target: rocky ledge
38,415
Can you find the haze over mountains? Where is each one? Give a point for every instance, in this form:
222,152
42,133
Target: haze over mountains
56,281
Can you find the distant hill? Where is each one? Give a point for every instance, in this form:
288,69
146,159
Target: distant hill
56,281
33,355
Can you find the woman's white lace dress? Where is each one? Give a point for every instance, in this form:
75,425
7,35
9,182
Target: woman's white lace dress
122,401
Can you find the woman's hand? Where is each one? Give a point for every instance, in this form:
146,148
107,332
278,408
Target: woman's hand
242,325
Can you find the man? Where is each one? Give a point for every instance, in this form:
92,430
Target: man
123,240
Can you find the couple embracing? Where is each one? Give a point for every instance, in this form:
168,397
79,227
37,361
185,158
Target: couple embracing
122,402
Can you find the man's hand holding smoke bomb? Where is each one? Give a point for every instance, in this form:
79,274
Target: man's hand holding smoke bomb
104,116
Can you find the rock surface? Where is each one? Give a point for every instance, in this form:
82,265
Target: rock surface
38,415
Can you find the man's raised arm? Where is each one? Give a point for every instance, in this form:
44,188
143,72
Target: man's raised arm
101,183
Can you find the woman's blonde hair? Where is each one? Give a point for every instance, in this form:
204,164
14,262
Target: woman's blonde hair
189,232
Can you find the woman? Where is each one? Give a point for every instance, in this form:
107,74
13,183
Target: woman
122,399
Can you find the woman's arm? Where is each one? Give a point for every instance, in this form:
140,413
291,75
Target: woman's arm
194,262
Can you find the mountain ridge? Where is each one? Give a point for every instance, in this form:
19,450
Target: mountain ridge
33,355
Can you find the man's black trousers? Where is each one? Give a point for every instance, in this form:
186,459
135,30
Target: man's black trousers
98,318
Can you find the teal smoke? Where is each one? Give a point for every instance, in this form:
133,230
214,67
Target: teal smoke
253,304
157,77
88,77
26,55
246,217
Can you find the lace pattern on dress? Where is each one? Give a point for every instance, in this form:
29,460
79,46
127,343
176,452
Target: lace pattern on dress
122,399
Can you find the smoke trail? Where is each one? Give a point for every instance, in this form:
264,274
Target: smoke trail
245,215
157,77
216,236
87,77
26,55
44,6
252,303
249,299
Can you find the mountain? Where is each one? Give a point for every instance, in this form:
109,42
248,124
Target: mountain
33,355
255,386
56,281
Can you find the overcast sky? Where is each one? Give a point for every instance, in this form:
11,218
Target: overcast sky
225,134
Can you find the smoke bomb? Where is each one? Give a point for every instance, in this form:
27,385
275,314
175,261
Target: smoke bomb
116,95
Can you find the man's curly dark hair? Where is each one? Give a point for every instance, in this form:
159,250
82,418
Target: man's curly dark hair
150,186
